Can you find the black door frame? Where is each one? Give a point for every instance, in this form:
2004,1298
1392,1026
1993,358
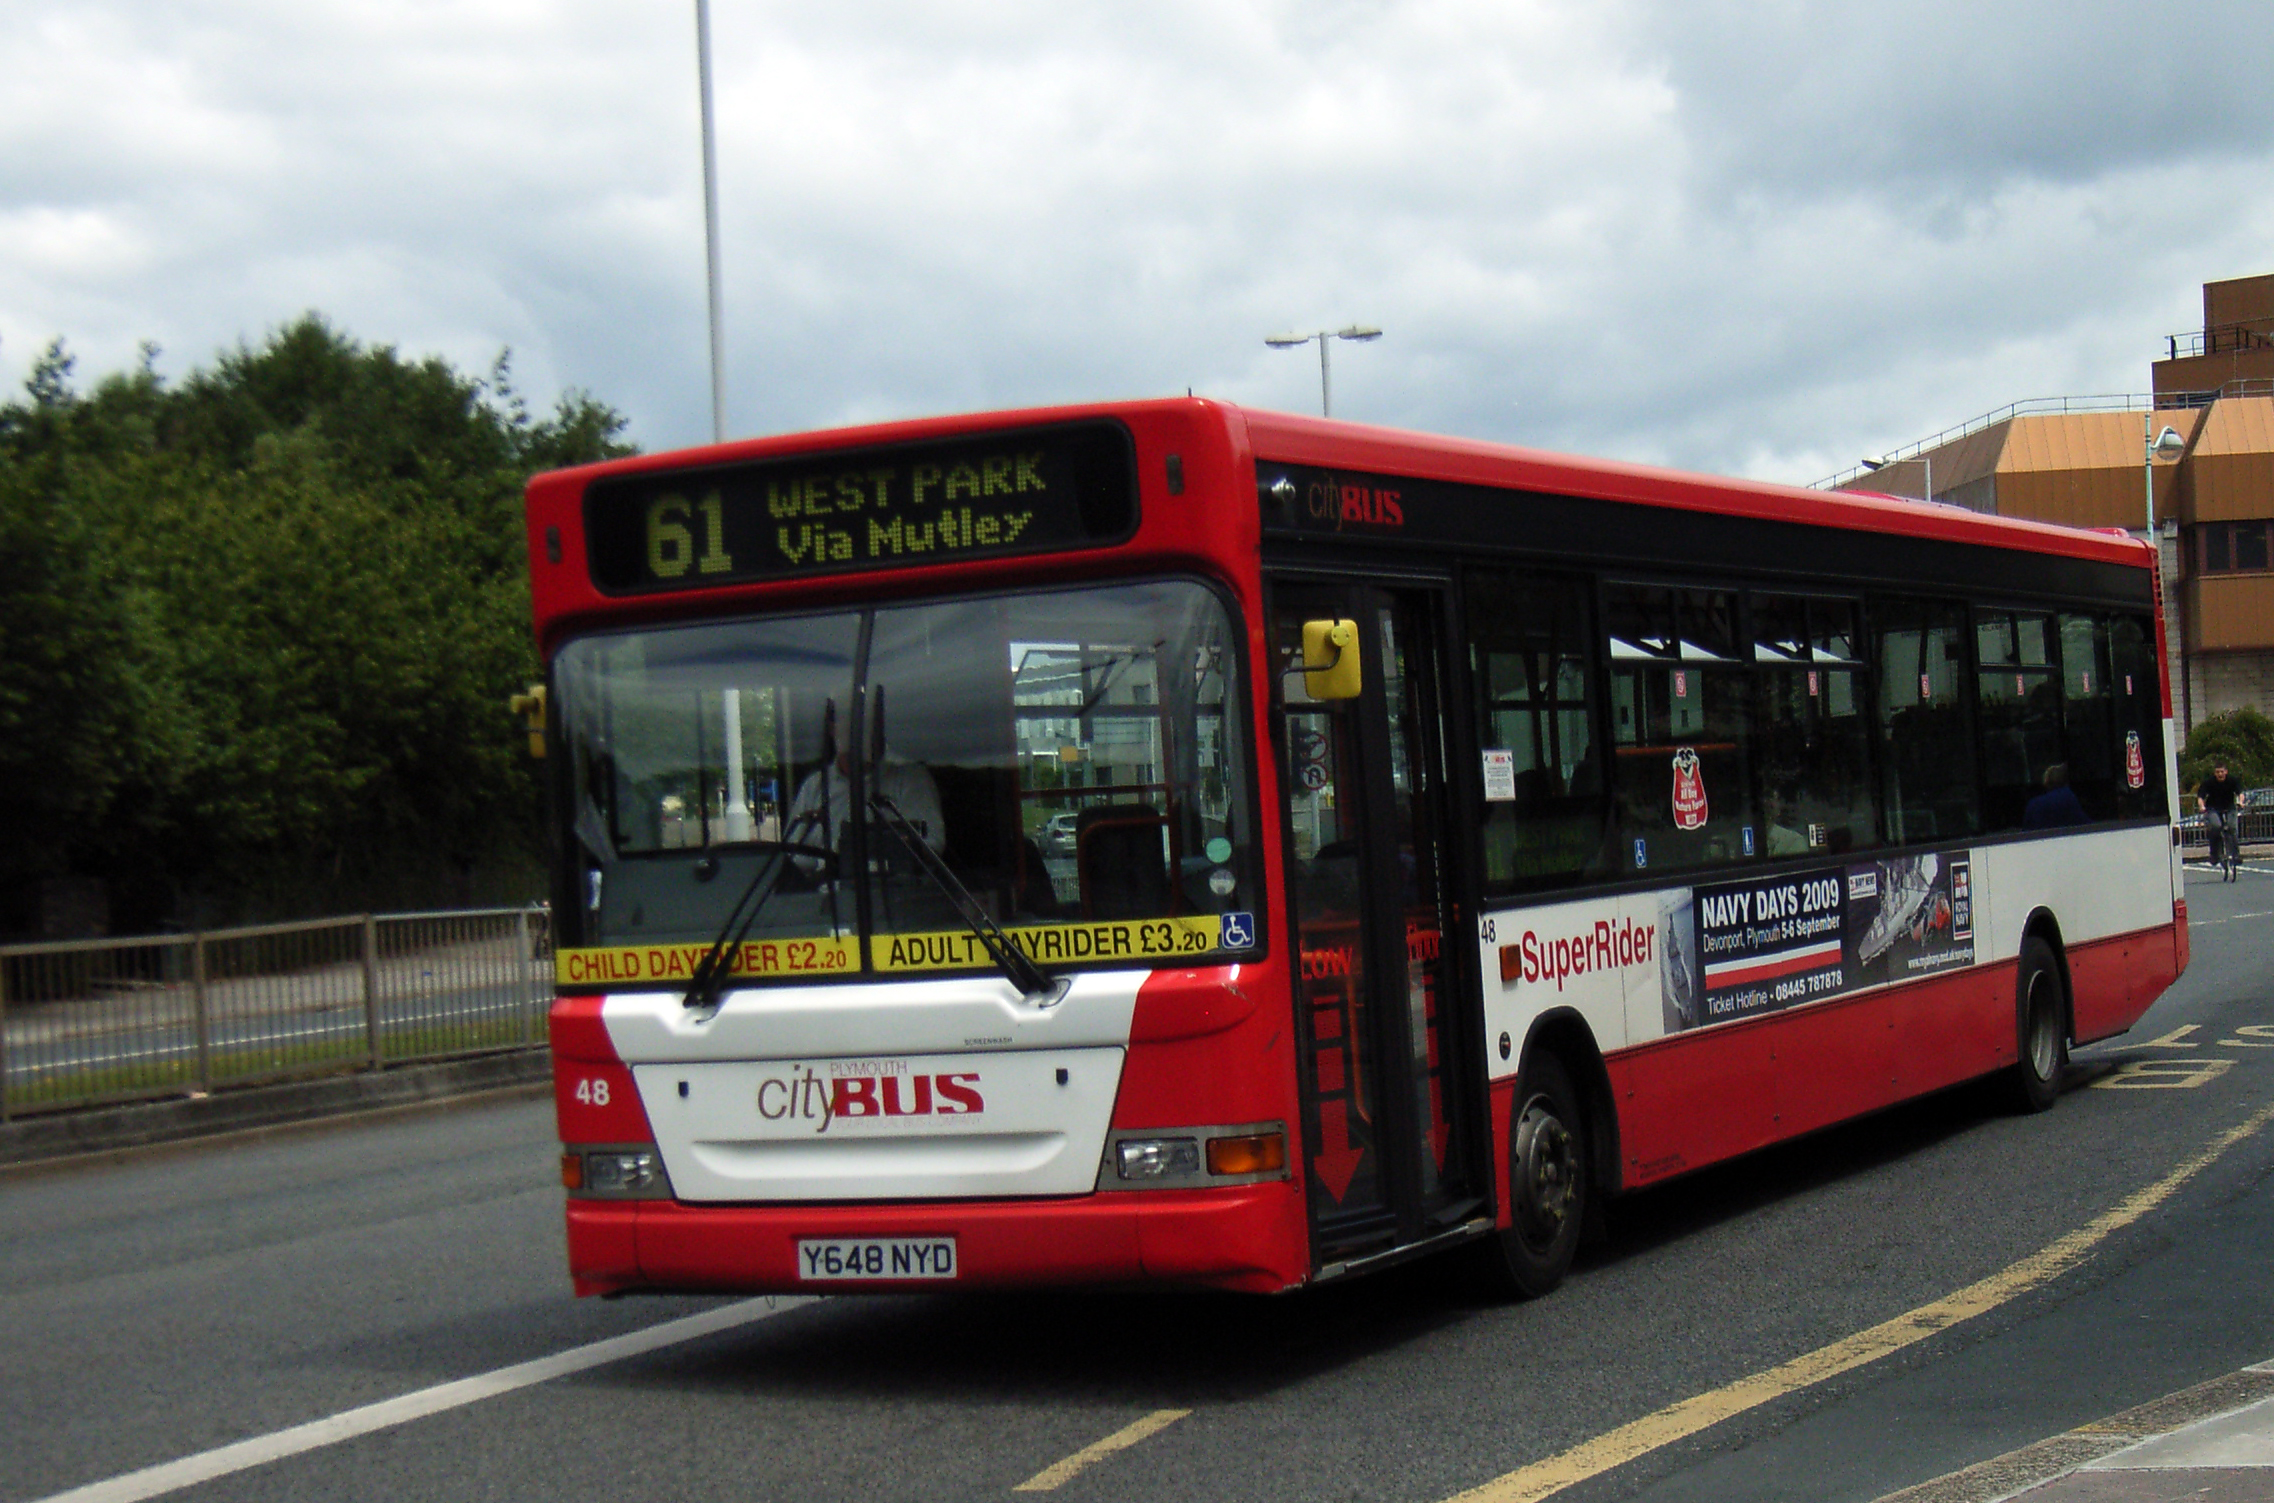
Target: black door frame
1440,814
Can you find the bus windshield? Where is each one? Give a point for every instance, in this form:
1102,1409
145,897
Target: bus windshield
1074,756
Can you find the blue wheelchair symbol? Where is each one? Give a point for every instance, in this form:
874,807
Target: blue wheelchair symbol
1238,932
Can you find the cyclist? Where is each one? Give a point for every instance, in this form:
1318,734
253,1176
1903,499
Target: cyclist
2216,798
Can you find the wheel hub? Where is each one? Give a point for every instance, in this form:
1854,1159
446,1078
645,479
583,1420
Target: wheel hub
1547,1163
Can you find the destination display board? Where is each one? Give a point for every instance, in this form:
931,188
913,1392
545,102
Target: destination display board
1023,491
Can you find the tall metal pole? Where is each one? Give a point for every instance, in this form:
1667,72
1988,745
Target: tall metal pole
711,218
1326,390
2148,470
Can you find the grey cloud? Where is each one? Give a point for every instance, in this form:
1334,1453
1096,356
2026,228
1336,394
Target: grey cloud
1726,238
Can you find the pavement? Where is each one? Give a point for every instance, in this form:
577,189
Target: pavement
67,1138
2213,1443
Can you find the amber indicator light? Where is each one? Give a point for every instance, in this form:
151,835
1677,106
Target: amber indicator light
1259,1153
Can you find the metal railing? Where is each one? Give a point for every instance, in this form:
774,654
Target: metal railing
2252,827
2241,386
2029,407
2219,339
93,1022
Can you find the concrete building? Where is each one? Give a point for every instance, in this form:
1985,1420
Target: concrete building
2087,462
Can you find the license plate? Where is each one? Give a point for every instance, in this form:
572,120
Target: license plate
822,1259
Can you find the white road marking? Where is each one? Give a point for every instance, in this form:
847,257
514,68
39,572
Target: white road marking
171,1476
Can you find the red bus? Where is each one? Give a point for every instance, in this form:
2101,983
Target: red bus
1167,842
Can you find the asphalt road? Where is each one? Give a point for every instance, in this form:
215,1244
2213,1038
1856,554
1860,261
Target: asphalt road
182,1301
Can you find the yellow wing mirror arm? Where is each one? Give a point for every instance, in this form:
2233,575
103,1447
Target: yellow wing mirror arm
1330,660
531,708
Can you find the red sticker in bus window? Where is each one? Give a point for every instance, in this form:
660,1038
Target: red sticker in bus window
1681,685
2018,691
1926,687
2086,674
1811,683
2135,765
1689,791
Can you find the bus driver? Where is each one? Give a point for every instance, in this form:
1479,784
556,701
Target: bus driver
827,796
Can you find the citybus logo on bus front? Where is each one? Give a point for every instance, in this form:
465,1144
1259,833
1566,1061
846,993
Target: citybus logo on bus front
856,1089
1341,503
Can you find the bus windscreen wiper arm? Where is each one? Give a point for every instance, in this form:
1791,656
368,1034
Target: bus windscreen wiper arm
1024,974
710,971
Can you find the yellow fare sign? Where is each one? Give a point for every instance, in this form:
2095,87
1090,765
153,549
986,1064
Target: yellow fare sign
652,965
1136,940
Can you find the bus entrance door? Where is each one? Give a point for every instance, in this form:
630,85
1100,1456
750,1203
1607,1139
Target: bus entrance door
1384,1105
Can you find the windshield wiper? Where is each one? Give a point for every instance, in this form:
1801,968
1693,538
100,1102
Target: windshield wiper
1029,978
710,972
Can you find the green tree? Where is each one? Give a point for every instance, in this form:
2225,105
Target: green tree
2241,739
257,631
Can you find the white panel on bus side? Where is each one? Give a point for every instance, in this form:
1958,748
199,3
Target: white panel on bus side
1596,956
2172,802
2097,884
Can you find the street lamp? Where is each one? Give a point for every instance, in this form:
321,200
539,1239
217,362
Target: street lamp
1326,390
2166,445
1924,459
710,215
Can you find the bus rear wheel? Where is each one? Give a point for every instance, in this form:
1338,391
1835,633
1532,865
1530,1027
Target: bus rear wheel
1548,1179
2041,1022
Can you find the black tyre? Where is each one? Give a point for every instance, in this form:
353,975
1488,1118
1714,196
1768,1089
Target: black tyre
2041,1020
1549,1186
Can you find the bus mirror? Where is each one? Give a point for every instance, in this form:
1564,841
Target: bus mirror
1330,659
531,707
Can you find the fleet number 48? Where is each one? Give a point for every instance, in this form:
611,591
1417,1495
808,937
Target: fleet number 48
592,1091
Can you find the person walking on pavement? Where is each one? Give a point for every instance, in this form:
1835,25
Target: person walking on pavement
2216,798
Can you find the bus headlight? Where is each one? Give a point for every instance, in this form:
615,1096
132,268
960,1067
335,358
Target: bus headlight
625,1173
1238,1153
1157,1158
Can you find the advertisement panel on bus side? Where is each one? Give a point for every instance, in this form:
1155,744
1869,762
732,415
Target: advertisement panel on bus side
1644,965
1768,943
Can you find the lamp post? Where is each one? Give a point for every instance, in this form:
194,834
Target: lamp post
1326,390
2165,445
1924,459
711,216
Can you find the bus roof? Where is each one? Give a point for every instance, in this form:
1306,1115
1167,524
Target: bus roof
1298,439
1327,442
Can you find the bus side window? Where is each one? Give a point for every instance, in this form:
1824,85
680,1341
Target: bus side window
2138,691
1812,742
2018,698
1531,646
2088,712
1682,722
1926,742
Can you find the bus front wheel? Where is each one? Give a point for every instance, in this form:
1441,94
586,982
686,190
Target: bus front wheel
1548,1175
2041,1023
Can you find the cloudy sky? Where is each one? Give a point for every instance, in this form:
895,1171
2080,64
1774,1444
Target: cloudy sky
1760,238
